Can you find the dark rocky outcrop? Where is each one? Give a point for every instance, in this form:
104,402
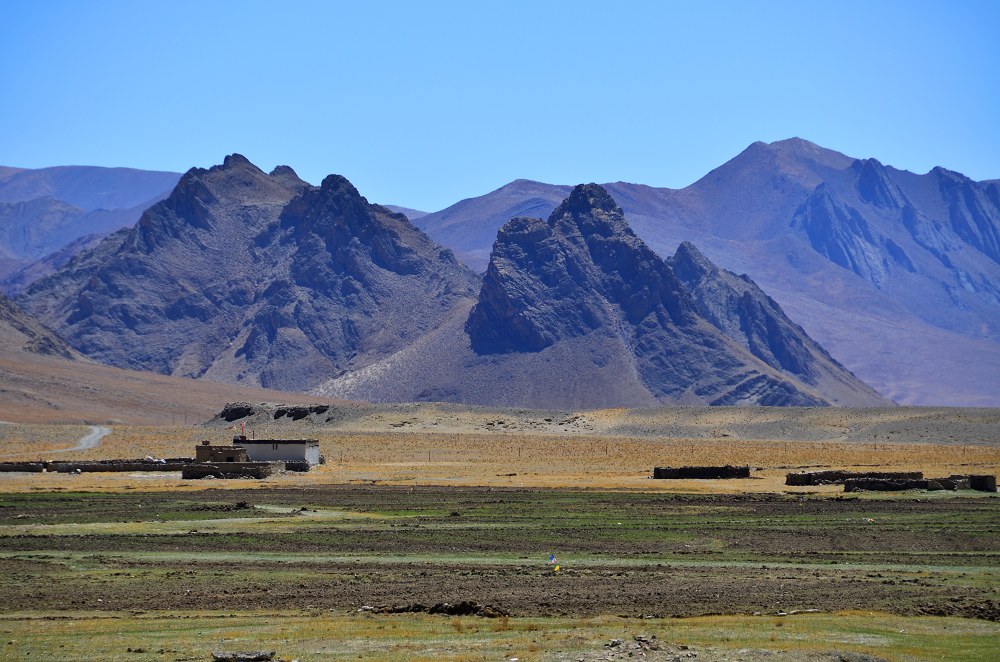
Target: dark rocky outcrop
884,268
583,272
244,276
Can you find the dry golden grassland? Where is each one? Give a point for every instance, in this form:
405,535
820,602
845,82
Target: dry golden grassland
586,459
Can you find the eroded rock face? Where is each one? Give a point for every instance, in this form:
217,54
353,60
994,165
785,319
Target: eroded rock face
841,234
21,332
244,276
581,270
877,260
585,272
740,309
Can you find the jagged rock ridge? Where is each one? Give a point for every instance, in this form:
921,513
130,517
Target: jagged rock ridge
250,277
895,273
578,312
740,309
585,269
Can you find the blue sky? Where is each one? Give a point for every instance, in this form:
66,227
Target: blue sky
424,103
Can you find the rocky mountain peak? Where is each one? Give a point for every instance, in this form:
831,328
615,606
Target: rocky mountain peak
235,160
689,264
592,211
588,198
875,187
585,278
582,270
287,176
252,277
283,170
354,231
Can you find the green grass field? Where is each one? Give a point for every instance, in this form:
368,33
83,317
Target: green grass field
173,576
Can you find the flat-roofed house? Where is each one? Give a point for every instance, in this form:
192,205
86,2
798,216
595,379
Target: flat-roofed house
280,450
206,452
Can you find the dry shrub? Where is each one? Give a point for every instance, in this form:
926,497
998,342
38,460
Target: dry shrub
501,624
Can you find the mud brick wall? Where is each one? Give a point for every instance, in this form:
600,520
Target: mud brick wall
983,483
839,477
701,472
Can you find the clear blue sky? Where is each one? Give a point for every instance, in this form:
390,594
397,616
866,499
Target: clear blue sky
424,103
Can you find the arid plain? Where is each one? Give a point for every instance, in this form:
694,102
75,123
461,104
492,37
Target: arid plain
437,444
425,504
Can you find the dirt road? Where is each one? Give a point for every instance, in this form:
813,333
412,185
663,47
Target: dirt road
90,440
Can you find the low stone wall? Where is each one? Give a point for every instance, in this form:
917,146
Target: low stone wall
29,467
839,477
228,470
983,483
116,465
886,485
701,472
980,483
170,464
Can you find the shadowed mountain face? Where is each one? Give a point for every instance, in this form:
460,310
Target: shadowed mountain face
578,311
582,270
896,274
244,276
19,332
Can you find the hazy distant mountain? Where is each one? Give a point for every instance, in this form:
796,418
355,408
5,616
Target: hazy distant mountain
86,187
470,227
412,214
45,211
896,274
249,277
578,312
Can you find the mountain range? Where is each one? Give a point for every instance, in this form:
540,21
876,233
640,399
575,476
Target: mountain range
577,311
248,277
896,274
43,380
258,278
